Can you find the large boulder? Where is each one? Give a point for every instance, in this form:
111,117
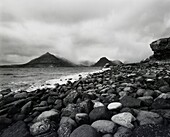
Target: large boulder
51,114
161,49
151,130
19,129
40,127
104,126
85,131
99,113
146,117
128,101
124,119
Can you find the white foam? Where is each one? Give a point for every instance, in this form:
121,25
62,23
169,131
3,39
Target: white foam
63,80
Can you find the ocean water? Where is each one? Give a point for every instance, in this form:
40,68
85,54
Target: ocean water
32,78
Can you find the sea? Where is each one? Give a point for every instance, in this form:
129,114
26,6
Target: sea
30,79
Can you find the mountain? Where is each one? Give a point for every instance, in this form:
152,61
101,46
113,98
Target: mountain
103,61
46,60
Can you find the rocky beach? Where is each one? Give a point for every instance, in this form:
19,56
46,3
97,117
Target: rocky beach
128,100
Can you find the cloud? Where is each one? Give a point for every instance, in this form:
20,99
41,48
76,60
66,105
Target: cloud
81,29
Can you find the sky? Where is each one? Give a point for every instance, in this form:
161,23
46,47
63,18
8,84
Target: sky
80,30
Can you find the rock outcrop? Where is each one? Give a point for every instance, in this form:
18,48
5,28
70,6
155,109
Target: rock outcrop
161,49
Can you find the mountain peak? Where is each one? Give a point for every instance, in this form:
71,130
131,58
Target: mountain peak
49,60
101,62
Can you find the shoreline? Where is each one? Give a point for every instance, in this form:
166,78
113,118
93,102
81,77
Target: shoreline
134,100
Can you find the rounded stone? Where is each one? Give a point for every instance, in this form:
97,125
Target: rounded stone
82,118
104,126
40,127
48,114
98,104
85,131
124,119
114,105
146,117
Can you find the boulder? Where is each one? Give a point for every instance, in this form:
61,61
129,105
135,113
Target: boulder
18,129
51,114
71,110
65,130
123,132
161,103
146,117
104,126
40,127
82,118
20,95
85,131
124,119
26,108
99,113
71,98
68,120
151,130
128,101
161,49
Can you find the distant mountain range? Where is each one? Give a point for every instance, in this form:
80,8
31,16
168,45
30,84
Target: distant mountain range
49,60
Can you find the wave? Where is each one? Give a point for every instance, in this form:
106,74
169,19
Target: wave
63,80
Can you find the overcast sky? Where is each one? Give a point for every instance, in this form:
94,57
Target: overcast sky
81,29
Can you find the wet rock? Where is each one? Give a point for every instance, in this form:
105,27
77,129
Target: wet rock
165,113
124,119
51,100
68,120
151,131
26,108
85,131
104,126
43,103
164,96
4,122
128,101
58,104
146,117
98,104
51,114
82,118
1,96
86,106
18,117
20,95
146,100
40,127
71,98
40,109
161,103
123,132
65,130
71,110
18,129
140,92
165,89
99,113
107,135
114,106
